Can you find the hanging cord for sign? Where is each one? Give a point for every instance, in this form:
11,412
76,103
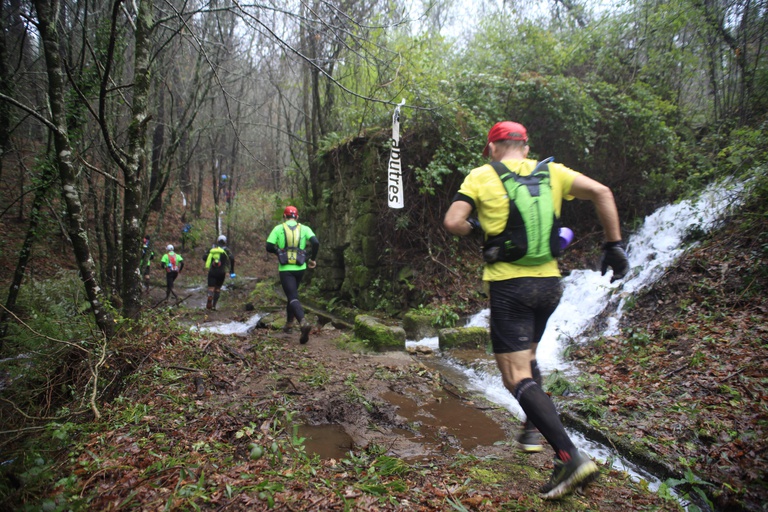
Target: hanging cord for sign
394,169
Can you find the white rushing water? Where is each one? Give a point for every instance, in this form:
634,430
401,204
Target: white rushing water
651,250
229,327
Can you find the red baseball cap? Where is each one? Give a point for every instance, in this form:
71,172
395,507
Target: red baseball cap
505,130
291,211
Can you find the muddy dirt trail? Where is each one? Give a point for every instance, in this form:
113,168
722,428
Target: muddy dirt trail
447,419
352,401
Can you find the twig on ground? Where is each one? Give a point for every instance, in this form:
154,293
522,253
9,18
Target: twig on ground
669,374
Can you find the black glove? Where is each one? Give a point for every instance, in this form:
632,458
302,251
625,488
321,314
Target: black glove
614,257
475,224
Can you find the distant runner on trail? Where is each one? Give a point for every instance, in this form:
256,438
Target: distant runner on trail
518,205
289,241
217,260
172,263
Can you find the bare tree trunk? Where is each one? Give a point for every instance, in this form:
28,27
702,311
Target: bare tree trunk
310,106
22,176
158,140
215,172
12,47
71,194
136,163
200,188
108,223
24,254
741,76
6,86
98,231
185,177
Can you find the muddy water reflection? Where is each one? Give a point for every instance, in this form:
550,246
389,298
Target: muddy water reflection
326,441
448,418
444,424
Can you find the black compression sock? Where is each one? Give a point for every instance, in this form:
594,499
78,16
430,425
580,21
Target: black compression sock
537,378
540,410
298,311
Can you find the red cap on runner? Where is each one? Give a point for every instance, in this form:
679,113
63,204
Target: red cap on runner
505,130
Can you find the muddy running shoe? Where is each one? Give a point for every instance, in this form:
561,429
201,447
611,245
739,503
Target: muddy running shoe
209,304
305,328
567,476
288,327
529,441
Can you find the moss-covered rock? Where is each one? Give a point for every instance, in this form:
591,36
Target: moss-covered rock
378,336
273,321
419,324
264,295
464,337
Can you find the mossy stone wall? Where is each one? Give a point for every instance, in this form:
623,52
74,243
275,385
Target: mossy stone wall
371,255
352,184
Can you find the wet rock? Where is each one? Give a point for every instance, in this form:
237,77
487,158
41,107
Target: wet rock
464,337
419,325
379,336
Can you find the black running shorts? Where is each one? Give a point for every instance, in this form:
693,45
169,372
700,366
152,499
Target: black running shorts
520,309
216,278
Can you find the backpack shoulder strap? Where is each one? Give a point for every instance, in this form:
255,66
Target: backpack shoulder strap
514,218
296,231
502,170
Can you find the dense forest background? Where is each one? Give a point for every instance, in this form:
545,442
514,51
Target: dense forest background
121,119
114,112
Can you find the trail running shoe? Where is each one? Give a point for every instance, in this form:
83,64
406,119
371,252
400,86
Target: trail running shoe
567,476
305,328
288,327
529,441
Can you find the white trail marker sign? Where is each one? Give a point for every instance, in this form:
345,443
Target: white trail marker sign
394,170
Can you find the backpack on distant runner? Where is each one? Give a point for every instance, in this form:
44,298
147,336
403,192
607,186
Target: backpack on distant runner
218,256
292,254
531,234
172,267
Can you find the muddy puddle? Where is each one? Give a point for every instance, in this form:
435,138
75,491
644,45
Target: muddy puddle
326,441
445,424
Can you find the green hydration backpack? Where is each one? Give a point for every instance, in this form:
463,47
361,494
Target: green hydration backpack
531,234
216,257
292,254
